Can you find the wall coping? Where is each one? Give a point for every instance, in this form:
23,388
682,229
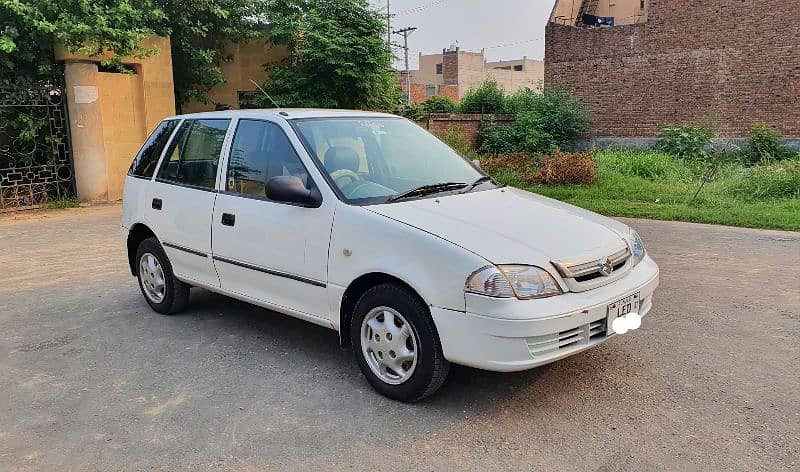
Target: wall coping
470,117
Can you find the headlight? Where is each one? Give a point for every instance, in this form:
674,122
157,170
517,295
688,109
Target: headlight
637,247
507,281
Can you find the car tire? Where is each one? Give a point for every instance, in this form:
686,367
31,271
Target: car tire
162,291
396,344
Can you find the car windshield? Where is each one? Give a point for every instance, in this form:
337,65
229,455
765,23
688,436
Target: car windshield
371,160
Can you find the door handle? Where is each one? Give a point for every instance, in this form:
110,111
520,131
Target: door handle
228,219
157,203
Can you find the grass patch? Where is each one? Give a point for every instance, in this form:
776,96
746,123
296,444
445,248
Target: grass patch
61,203
655,185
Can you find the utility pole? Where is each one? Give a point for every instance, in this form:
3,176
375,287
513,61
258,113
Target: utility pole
388,25
405,32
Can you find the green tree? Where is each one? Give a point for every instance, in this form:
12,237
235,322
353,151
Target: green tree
31,27
199,34
439,104
337,55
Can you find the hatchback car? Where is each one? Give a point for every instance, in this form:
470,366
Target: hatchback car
367,224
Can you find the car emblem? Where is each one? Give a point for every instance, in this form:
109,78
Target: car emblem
606,267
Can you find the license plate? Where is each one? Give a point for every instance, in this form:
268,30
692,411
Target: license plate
622,307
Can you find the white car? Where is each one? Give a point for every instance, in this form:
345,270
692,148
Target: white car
367,224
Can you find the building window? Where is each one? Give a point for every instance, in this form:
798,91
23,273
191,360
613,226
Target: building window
439,68
518,68
430,90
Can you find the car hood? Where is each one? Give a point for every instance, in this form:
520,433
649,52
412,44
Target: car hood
508,225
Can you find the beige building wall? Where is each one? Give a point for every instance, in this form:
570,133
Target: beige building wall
247,61
426,74
472,71
111,114
565,12
469,70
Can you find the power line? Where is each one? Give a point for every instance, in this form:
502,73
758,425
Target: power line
420,8
514,43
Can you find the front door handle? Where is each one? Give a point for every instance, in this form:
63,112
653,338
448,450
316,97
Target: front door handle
228,219
157,203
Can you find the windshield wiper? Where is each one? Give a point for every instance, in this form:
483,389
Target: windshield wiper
428,190
477,182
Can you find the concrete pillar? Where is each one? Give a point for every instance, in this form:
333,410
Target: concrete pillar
86,129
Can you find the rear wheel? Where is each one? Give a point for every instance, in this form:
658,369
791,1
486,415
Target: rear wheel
396,344
162,291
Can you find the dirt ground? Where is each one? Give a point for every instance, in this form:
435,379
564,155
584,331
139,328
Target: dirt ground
91,379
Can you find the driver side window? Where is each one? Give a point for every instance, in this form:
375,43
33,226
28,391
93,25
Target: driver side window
260,151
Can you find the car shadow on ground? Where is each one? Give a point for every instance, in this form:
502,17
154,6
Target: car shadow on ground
319,346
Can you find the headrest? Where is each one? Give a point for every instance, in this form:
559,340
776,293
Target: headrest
341,157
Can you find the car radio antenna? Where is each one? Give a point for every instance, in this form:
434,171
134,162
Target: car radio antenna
265,93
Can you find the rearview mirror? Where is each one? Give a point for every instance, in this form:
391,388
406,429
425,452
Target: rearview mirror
290,189
476,163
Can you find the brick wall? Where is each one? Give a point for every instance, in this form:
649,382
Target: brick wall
467,125
418,91
449,91
450,67
730,62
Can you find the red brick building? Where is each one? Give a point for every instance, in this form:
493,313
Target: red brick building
729,62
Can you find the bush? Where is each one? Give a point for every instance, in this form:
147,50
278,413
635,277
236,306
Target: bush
439,104
455,140
689,141
651,165
552,111
774,181
566,168
412,111
488,98
500,139
545,121
764,145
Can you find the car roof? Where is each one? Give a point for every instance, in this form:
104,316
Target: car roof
286,113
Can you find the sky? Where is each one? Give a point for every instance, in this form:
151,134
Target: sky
508,29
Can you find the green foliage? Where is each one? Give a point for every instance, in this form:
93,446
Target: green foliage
487,98
455,140
31,27
62,203
771,181
651,165
412,111
199,36
337,55
688,141
552,111
439,104
546,120
764,145
734,197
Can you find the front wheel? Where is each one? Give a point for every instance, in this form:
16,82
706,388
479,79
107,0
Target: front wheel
396,344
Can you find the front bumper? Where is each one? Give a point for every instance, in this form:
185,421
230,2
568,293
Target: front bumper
509,335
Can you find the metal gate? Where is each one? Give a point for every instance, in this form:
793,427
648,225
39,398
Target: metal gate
35,151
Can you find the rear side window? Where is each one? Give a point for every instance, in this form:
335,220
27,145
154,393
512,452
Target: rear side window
260,151
144,165
193,156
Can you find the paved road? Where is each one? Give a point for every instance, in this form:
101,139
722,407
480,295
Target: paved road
90,378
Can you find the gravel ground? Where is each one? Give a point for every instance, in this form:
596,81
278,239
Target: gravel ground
91,379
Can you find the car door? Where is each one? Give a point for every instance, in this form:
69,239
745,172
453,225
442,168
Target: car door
182,198
272,252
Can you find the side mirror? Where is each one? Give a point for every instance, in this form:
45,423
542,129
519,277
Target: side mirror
477,163
290,189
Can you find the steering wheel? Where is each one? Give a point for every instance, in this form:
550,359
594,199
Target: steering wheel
345,177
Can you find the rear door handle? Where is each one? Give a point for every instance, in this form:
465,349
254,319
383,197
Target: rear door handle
157,203
228,219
